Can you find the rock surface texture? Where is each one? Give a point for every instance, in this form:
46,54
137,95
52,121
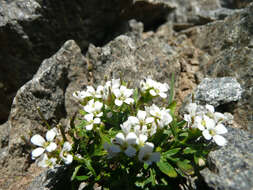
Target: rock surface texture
95,39
229,44
231,167
32,30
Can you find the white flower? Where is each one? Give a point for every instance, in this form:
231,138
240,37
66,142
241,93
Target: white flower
80,95
162,116
126,143
214,132
126,126
48,145
142,139
113,84
201,122
140,122
123,95
45,162
91,92
91,121
155,88
64,155
192,110
94,108
147,155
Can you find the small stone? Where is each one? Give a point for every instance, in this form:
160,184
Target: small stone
218,91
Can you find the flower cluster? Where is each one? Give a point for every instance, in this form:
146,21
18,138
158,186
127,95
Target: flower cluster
47,150
208,121
109,99
123,131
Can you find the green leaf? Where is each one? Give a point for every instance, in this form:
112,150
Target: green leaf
185,166
75,172
171,152
172,106
185,134
152,176
145,166
82,178
166,168
136,95
89,166
181,123
189,150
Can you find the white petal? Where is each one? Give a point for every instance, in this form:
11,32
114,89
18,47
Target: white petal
37,152
89,127
148,147
163,95
142,138
99,114
50,135
97,120
88,109
128,92
66,146
141,115
90,89
38,140
152,92
98,105
200,127
117,92
187,118
207,135
51,147
68,159
210,108
131,138
130,151
43,161
89,117
221,129
133,120
129,101
120,138
219,140
118,102
149,120
210,123
155,157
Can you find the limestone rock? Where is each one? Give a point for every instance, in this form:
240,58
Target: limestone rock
32,30
50,179
231,167
67,68
218,91
229,43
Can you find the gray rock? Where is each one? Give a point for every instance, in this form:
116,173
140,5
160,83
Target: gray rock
135,57
231,167
218,91
51,179
32,30
228,43
47,90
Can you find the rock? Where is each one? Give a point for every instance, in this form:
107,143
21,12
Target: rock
235,4
135,57
47,90
218,91
229,45
231,167
51,179
32,30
